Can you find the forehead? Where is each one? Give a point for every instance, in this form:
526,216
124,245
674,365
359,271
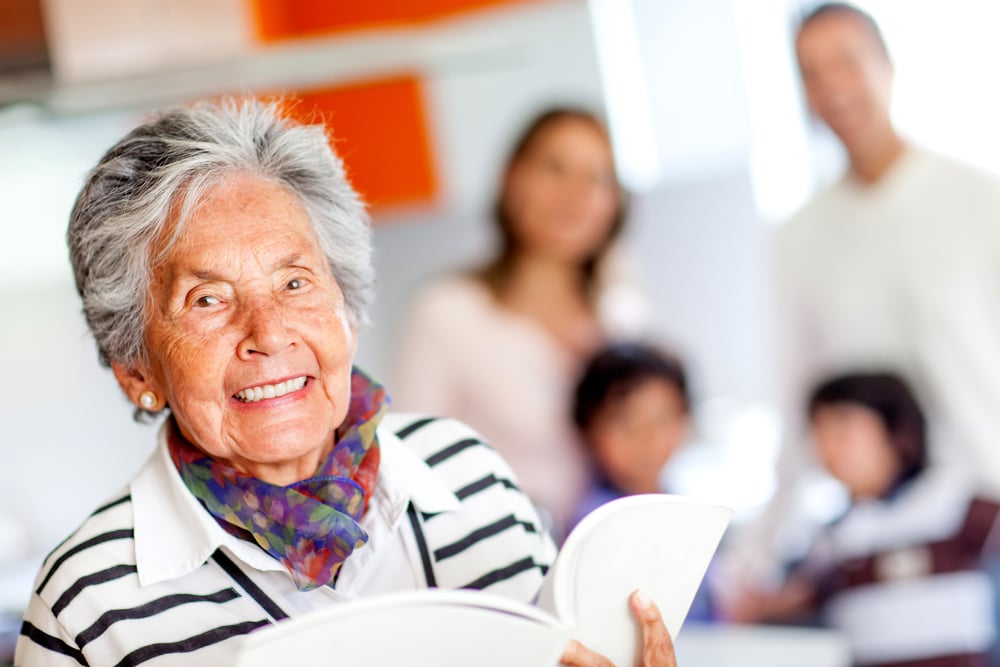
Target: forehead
651,392
838,31
845,411
569,134
240,214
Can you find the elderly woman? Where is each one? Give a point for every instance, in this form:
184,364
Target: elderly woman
225,268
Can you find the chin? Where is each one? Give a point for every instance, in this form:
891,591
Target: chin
288,444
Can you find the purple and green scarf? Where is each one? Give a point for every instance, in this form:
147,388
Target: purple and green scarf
311,526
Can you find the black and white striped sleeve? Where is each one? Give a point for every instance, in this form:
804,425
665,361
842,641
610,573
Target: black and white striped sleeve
44,641
495,541
89,608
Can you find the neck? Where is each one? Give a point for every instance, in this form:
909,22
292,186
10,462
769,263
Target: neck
647,486
538,278
282,473
872,158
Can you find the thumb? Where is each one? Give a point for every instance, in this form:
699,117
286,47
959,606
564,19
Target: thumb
657,648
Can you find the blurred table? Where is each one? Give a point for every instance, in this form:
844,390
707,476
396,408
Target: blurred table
760,646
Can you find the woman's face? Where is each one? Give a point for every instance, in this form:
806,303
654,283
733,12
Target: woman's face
855,447
561,194
634,436
249,339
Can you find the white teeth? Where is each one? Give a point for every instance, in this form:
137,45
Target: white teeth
254,394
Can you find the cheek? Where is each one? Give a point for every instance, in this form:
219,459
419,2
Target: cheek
184,360
613,450
881,460
816,97
342,341
668,441
517,194
593,233
828,455
334,348
605,205
848,459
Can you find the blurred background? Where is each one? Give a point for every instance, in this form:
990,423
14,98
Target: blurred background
710,133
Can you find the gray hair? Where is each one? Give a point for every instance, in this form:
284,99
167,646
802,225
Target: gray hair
168,165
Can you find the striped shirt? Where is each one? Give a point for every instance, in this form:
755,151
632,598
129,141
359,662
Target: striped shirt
150,577
902,578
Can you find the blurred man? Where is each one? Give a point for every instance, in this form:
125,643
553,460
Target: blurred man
896,265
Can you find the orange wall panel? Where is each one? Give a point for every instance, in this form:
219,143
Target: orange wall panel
380,130
22,34
279,20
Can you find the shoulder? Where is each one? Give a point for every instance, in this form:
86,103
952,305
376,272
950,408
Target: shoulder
101,549
89,607
493,538
802,231
452,293
979,525
933,507
100,553
943,183
945,165
823,205
455,452
440,304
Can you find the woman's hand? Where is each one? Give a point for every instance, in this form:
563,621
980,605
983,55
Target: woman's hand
657,649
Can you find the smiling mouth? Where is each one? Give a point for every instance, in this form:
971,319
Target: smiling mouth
259,393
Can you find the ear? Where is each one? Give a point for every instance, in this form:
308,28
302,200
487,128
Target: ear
134,381
353,341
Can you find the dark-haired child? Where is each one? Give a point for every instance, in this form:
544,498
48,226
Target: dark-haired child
900,572
632,409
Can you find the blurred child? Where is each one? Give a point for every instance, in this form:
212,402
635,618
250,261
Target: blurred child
633,412
632,409
899,573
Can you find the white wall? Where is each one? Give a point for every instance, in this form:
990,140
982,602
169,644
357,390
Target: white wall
69,438
945,95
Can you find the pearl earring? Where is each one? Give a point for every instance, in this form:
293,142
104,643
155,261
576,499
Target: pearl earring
147,400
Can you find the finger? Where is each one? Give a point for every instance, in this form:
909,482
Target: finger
657,648
578,655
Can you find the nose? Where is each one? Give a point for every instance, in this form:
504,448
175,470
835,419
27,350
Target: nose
265,332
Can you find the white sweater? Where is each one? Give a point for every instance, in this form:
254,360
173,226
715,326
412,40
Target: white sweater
903,274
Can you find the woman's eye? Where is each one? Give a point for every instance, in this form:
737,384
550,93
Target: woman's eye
206,301
296,283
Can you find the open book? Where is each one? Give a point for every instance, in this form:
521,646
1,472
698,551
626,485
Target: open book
659,543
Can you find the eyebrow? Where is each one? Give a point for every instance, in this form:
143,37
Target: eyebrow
211,275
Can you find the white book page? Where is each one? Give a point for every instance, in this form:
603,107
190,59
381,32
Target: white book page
429,627
658,543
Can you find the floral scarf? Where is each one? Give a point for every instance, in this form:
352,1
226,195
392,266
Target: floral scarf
310,526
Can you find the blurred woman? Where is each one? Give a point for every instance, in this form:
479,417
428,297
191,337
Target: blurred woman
500,347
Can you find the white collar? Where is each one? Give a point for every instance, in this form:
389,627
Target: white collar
175,535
